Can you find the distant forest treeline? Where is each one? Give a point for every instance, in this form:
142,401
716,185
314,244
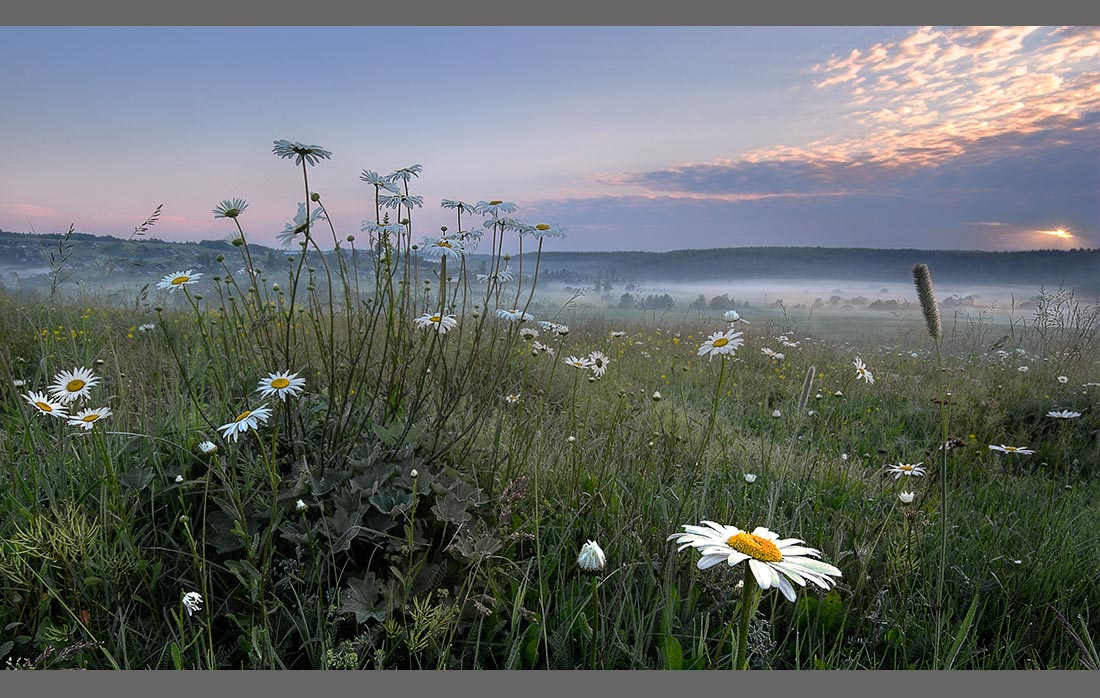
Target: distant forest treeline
1078,267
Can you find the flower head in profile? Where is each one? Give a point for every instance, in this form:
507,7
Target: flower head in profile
906,497
249,419
207,448
528,334
311,154
750,478
544,230
862,372
774,562
618,333
540,348
179,279
721,343
402,200
442,248
578,361
514,315
498,276
379,182
907,469
1063,379
732,316
1011,449
440,323
591,558
46,405
281,385
599,363
512,398
1064,414
230,208
192,602
494,208
460,206
405,173
778,356
86,419
68,386
301,224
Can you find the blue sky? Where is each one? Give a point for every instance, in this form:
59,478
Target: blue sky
630,138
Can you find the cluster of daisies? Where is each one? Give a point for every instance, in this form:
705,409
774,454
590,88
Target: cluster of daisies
67,390
596,362
281,385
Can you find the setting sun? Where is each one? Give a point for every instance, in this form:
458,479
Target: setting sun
1058,233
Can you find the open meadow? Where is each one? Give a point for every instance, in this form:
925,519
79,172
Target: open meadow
377,458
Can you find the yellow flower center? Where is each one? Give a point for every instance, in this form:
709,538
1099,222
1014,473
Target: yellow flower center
755,547
436,318
443,243
74,385
280,383
721,342
90,417
43,406
180,280
495,202
905,467
243,416
542,226
1011,448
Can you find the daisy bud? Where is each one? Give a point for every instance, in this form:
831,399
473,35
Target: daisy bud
300,505
314,197
220,258
351,238
591,558
414,473
179,478
656,395
777,414
572,439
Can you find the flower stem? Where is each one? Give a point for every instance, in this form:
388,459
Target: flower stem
750,596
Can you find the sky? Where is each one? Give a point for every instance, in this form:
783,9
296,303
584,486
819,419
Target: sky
629,138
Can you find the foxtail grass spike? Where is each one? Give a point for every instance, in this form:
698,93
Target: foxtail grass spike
806,385
926,292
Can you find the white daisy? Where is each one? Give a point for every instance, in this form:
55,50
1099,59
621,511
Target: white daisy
312,154
1011,449
207,447
721,343
441,323
578,362
906,497
230,208
192,602
405,173
300,224
442,247
862,372
300,505
733,316
907,469
460,206
281,385
1063,379
772,560
249,419
500,276
539,347
1023,369
750,478
512,398
514,315
70,385
528,333
494,208
46,405
618,333
86,419
772,353
543,230
1064,414
402,200
178,279
591,558
599,363
379,182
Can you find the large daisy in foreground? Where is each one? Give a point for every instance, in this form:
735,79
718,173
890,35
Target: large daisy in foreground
46,405
178,279
773,560
721,343
70,385
281,385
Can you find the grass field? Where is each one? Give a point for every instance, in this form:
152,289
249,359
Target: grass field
414,493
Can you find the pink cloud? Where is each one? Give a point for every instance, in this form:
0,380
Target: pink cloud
27,210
